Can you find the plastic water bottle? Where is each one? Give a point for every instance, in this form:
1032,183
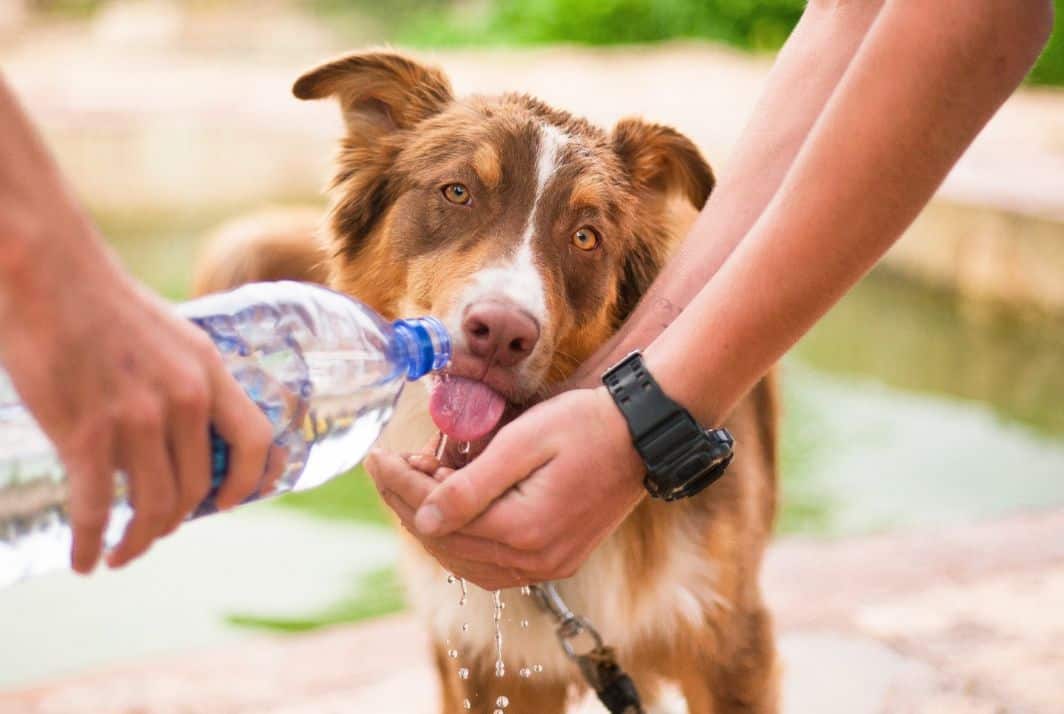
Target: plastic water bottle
324,368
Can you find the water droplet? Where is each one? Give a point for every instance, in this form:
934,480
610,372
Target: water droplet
537,668
498,711
441,446
524,673
453,654
500,667
463,673
465,592
524,624
502,702
451,580
467,704
526,590
464,448
465,627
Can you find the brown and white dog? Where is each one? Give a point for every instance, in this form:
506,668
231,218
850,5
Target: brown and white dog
533,234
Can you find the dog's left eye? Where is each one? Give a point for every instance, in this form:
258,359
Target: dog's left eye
586,238
456,193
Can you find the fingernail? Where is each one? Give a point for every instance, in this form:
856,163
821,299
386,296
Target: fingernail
428,519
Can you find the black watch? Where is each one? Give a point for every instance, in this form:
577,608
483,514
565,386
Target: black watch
681,458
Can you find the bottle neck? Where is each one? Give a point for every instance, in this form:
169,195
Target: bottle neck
423,345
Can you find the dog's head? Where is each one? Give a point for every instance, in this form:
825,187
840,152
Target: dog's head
529,232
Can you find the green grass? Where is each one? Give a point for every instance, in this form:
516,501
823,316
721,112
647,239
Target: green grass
378,593
351,497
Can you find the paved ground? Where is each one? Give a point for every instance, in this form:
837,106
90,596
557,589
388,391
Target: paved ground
964,621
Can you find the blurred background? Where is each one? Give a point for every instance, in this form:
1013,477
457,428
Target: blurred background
922,414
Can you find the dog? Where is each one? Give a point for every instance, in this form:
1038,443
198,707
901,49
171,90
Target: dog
533,234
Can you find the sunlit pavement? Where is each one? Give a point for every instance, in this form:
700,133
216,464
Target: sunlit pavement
971,625
261,561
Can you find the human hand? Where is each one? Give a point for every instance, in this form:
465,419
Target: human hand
549,487
119,382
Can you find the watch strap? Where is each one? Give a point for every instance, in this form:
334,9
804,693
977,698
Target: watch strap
681,458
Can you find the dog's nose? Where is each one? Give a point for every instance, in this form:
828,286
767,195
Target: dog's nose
505,331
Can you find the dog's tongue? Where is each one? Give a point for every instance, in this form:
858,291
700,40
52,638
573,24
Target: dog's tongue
465,410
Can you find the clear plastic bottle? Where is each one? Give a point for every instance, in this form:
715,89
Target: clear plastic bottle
326,370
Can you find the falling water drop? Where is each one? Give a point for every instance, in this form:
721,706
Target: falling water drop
502,702
441,446
524,673
500,667
453,654
524,624
463,673
467,704
465,592
526,590
537,668
465,627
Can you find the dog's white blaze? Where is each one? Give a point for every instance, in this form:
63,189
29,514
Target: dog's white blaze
519,278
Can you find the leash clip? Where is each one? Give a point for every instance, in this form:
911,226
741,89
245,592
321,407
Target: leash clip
614,688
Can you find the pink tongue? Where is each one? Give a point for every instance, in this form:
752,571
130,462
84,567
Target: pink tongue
464,409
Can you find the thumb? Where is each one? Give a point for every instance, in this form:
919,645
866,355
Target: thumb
510,457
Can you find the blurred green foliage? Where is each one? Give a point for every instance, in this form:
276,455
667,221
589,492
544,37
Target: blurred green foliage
377,593
758,25
1050,67
350,497
754,24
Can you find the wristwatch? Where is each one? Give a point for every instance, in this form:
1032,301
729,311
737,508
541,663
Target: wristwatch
681,458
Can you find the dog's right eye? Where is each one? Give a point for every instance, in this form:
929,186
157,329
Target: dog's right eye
456,193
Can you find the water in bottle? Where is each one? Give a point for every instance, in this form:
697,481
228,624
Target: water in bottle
324,368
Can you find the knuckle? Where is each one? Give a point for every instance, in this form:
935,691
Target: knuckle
142,414
204,349
189,393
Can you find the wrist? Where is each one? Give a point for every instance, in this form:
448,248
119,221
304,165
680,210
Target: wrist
685,384
49,261
611,419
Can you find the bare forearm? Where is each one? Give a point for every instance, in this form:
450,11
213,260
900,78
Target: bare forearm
39,219
925,81
805,73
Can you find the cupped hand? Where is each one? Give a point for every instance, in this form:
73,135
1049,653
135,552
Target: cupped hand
548,488
120,383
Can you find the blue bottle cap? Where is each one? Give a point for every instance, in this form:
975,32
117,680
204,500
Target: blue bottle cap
426,343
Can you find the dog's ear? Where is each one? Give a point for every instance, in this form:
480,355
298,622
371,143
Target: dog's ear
379,92
661,164
380,95
662,160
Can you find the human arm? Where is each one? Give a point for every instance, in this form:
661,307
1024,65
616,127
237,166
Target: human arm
924,80
116,380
